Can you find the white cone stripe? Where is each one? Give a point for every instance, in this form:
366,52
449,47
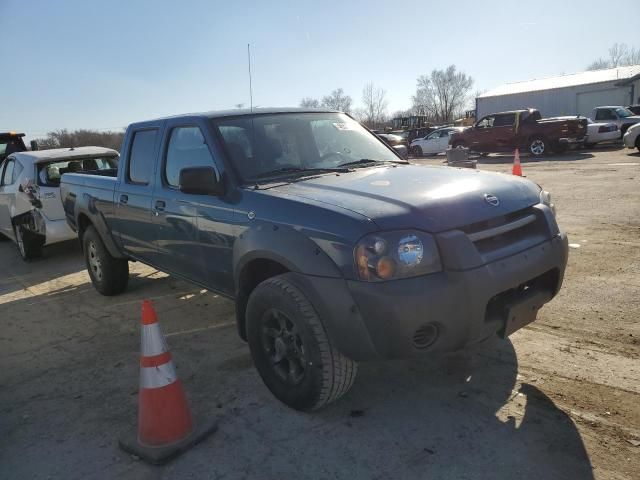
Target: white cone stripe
158,377
152,341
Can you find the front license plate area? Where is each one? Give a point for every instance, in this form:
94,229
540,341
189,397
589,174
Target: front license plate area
523,311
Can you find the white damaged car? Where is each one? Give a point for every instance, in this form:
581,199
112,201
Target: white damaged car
31,212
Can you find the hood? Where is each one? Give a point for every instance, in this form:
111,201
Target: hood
429,198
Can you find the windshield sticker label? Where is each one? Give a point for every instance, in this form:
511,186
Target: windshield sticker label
342,126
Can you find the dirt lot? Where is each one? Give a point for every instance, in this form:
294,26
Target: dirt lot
561,399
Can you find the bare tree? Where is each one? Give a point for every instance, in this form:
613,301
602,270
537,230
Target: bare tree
375,105
81,138
617,54
599,64
337,100
443,94
620,55
309,102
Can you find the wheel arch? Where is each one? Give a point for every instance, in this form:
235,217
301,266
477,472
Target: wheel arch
267,250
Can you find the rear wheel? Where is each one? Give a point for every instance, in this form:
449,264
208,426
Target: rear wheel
458,144
537,146
417,151
638,143
291,349
29,243
109,275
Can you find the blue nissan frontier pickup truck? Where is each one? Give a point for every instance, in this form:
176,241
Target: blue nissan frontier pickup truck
334,248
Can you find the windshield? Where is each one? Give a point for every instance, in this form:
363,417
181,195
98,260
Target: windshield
624,112
260,144
49,173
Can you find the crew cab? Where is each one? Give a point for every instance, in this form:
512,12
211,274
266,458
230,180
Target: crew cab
31,213
621,116
335,249
524,129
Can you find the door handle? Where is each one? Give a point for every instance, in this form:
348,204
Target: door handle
160,205
124,199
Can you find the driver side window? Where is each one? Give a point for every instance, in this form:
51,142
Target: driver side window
486,122
187,148
433,135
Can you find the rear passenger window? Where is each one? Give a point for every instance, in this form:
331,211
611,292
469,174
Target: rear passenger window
187,148
141,156
505,120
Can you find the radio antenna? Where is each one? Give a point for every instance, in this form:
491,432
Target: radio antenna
250,85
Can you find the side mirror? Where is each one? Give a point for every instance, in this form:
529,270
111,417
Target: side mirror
201,181
402,151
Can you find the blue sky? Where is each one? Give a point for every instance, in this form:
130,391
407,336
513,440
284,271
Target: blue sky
103,64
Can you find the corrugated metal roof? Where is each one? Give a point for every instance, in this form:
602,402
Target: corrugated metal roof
561,81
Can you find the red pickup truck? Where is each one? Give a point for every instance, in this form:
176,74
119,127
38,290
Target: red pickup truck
525,129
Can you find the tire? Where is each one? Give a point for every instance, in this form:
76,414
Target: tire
29,244
291,349
109,275
537,146
638,143
458,144
417,151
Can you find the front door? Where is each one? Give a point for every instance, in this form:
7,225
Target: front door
194,232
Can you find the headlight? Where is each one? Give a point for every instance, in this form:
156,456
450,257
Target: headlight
394,255
545,198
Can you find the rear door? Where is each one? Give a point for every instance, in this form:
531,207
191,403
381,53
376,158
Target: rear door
133,197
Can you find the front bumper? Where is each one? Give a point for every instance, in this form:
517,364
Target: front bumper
380,320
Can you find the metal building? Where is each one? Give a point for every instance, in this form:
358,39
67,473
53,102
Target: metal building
573,94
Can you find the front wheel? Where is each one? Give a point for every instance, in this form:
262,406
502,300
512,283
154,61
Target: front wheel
537,146
291,349
29,244
108,274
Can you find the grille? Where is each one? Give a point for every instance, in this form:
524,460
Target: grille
504,234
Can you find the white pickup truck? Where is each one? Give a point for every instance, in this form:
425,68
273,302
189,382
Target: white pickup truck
621,116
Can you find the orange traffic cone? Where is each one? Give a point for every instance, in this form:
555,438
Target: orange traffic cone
517,169
165,425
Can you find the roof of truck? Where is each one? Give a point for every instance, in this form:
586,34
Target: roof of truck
247,111
39,156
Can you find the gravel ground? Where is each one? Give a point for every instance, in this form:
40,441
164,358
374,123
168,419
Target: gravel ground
559,399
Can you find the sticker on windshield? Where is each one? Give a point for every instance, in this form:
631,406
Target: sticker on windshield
343,126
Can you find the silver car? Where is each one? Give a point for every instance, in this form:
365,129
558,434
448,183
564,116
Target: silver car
31,212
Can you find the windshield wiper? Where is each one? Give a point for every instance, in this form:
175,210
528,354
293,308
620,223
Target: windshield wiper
300,170
366,161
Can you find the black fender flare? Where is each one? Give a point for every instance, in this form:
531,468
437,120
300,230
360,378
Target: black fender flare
285,245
